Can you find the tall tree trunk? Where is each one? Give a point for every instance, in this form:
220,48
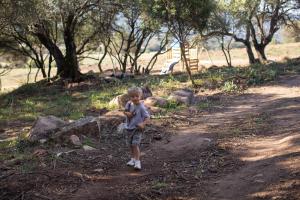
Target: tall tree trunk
71,66
250,53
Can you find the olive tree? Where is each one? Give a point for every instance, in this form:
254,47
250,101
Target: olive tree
182,18
65,28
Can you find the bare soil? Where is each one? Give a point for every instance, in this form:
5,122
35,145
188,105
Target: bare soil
244,146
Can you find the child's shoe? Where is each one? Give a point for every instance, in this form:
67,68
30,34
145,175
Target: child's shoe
131,162
137,165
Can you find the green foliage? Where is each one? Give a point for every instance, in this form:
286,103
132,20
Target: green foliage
258,74
171,105
182,17
230,87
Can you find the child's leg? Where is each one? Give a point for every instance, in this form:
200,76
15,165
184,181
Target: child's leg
136,152
132,151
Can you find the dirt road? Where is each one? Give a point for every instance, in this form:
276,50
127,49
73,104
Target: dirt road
247,147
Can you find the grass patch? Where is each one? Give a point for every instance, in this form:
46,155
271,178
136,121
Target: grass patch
89,142
32,100
159,185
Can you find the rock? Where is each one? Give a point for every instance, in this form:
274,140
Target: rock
44,127
120,101
12,162
109,79
157,137
112,118
74,139
40,152
155,101
193,110
259,181
89,126
98,170
182,97
88,148
146,92
66,152
154,110
42,141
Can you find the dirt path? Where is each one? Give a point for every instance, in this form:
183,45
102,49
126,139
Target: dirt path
246,148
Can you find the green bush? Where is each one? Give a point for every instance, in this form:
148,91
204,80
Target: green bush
230,87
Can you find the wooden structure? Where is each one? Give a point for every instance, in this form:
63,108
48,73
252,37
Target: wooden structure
192,58
190,53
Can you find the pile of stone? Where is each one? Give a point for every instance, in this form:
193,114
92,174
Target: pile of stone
52,128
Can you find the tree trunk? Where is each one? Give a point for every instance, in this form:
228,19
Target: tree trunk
250,53
54,50
260,50
182,47
71,66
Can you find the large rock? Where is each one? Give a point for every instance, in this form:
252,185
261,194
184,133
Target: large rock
120,101
111,120
51,127
88,126
146,92
155,101
45,127
183,96
154,110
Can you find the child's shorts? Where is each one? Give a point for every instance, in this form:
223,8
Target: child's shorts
133,137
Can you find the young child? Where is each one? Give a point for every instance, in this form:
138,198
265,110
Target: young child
137,117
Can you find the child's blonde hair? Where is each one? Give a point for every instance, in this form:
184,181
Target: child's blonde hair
135,90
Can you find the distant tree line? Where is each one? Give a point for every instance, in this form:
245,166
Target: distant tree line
60,33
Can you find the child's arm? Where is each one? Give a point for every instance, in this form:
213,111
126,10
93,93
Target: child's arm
144,123
128,114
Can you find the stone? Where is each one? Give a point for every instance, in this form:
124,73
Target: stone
98,170
43,141
183,96
88,126
88,148
193,110
146,92
74,139
112,118
109,79
155,101
40,152
154,110
44,127
120,101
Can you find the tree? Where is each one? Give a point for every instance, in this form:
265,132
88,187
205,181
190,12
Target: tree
230,18
75,23
132,32
269,15
252,22
182,18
